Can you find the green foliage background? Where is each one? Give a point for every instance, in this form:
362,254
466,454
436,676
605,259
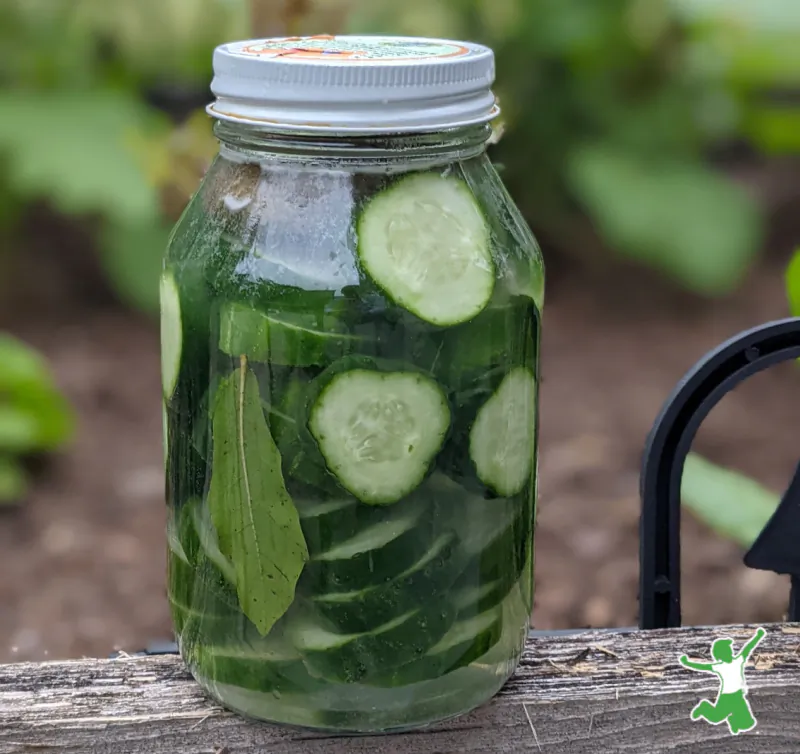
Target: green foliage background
610,109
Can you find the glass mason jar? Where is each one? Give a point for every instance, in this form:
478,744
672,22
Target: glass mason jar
350,353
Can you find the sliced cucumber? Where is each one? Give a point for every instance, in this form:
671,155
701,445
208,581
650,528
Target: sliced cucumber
502,334
366,609
171,333
238,668
425,243
201,627
173,540
464,643
268,663
284,338
471,600
380,431
350,658
326,524
289,396
165,432
468,640
204,607
373,555
494,535
201,517
501,443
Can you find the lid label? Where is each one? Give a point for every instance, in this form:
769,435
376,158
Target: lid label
348,49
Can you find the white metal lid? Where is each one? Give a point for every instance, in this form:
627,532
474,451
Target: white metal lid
354,84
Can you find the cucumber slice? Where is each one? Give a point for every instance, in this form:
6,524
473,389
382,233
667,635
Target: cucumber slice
326,524
287,415
197,626
379,432
472,601
425,243
284,338
171,333
237,668
374,554
494,535
468,640
165,433
501,442
503,333
268,663
173,540
207,535
464,643
366,609
350,658
204,607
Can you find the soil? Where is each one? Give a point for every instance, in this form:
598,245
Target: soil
83,559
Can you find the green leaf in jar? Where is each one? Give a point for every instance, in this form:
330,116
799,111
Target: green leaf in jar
256,521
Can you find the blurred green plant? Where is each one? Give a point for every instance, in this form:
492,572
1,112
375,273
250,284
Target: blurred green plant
34,416
76,127
793,284
732,504
609,108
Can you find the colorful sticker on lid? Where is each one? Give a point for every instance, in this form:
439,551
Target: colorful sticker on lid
349,49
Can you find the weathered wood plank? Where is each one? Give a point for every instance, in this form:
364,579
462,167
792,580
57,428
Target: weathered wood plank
589,692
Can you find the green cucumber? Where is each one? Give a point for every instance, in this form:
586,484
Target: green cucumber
474,600
426,244
258,663
501,442
171,332
286,407
365,609
199,626
372,555
498,549
494,534
380,431
282,337
465,642
207,535
173,537
353,657
165,434
204,606
501,334
326,524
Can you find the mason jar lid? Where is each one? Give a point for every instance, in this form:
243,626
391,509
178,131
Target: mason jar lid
354,84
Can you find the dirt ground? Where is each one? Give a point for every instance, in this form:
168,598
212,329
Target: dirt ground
82,561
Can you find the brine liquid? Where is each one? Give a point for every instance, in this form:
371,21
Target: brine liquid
427,616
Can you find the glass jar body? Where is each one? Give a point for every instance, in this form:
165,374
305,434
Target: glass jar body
351,460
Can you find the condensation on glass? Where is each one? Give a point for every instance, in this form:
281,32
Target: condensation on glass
350,351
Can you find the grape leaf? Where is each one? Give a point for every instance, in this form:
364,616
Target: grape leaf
257,525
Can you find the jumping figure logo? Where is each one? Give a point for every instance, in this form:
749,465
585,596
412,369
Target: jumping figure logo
731,706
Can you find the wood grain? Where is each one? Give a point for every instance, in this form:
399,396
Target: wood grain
593,692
